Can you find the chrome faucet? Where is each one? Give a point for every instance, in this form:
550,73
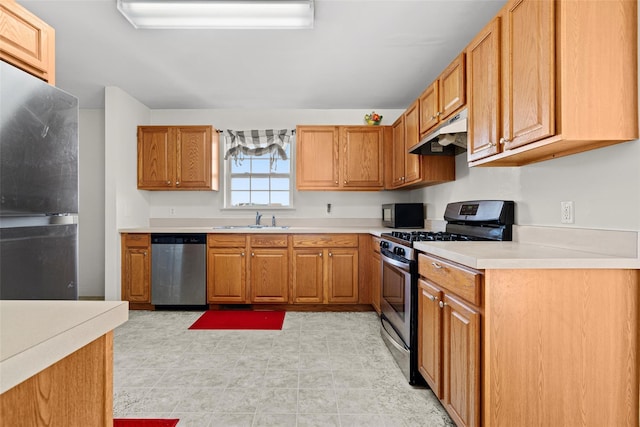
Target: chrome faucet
273,220
258,216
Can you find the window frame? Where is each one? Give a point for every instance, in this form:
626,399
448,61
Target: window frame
227,183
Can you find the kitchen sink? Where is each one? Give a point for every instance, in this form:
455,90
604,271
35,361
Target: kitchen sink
250,227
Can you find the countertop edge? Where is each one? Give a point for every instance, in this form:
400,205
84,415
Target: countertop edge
29,362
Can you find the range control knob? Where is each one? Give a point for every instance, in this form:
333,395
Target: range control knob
399,251
384,245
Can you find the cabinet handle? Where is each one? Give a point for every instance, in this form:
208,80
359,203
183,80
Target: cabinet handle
177,182
320,254
504,141
345,181
486,146
432,117
330,254
431,297
402,178
252,254
442,304
145,253
242,254
168,182
436,265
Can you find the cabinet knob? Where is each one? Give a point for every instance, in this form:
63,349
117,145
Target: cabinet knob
252,254
345,181
402,178
431,297
145,253
177,182
432,117
320,254
504,141
330,254
436,265
442,304
438,114
336,182
242,254
168,182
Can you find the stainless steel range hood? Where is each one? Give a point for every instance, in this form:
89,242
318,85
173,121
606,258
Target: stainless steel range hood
450,138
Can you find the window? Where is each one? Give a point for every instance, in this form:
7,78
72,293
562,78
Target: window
258,180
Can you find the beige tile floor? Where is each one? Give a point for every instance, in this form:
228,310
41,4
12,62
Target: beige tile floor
321,369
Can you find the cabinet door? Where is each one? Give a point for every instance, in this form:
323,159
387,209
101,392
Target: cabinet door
317,161
398,153
376,281
193,165
269,275
430,336
307,276
226,275
483,80
461,347
528,78
342,276
27,42
136,284
156,156
412,162
429,108
452,88
362,154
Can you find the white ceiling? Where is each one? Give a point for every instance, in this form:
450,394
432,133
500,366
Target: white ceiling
361,54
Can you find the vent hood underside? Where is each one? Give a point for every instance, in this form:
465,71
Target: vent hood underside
448,139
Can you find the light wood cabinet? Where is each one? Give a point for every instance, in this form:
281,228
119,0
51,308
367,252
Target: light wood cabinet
325,268
136,268
243,269
412,170
269,269
177,158
537,92
445,96
449,336
226,268
340,157
552,325
27,42
375,270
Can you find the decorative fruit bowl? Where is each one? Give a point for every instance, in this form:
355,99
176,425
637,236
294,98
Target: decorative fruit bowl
373,118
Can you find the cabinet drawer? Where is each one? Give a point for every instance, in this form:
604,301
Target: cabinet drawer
462,281
325,240
227,240
268,240
137,240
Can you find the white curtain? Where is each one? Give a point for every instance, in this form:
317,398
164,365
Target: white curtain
257,142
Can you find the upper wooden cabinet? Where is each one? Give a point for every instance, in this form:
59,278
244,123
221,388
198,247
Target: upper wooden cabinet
545,81
340,157
177,158
27,42
412,170
445,96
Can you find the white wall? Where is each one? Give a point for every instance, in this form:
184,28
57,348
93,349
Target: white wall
92,203
604,185
125,206
308,204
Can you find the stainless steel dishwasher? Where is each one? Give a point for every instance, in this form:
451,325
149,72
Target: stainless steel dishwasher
178,269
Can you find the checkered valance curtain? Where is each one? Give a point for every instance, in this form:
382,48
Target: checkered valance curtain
256,143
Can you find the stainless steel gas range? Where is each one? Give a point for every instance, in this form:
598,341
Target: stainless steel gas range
481,220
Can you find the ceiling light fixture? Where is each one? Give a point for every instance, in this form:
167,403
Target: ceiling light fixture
225,14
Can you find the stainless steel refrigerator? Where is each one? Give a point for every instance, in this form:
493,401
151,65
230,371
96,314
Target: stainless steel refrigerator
38,188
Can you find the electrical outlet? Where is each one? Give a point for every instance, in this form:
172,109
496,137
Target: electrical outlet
172,211
566,212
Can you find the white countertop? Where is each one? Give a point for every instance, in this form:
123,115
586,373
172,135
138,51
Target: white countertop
36,334
267,230
504,255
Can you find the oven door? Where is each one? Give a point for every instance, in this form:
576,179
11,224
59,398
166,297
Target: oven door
395,301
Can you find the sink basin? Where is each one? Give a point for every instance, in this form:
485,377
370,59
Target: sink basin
250,227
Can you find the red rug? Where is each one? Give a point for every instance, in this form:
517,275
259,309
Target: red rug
144,422
239,319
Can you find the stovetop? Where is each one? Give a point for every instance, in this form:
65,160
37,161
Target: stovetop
429,236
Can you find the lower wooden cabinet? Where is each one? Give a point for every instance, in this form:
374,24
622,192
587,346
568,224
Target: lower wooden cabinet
449,337
136,268
243,269
375,276
325,268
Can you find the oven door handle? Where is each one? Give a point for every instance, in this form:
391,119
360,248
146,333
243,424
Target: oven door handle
403,265
402,347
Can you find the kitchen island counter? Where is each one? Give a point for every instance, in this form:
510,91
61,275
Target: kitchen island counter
251,230
56,361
